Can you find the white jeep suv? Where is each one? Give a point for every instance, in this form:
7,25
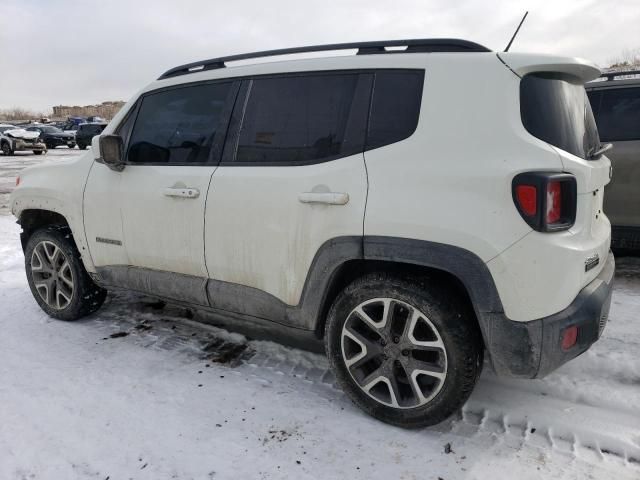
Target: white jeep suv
409,209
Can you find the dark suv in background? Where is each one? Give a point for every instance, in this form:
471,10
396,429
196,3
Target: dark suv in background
615,100
86,131
54,137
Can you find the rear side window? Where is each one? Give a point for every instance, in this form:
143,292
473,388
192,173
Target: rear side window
178,126
555,109
617,113
395,107
303,119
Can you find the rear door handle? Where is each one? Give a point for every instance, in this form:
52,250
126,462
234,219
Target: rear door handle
185,192
328,198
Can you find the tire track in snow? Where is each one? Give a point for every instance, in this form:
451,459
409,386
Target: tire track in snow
485,418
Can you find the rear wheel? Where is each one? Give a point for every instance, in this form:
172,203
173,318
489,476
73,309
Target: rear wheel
37,152
57,277
82,146
407,352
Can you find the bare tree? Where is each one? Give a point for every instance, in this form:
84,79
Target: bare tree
16,113
629,59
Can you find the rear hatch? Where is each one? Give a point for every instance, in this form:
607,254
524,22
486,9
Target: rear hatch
554,107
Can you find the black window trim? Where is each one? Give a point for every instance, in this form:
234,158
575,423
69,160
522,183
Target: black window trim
219,139
226,150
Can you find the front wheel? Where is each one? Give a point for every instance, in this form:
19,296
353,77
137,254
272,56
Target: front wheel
6,149
57,277
407,352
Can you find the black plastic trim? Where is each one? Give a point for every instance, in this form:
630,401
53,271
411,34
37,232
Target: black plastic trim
517,349
427,45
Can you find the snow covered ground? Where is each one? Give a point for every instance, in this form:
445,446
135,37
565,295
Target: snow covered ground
141,391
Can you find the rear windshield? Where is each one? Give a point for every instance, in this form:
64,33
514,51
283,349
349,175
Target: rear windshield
617,113
555,109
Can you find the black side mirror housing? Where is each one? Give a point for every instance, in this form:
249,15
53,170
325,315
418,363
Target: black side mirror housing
111,152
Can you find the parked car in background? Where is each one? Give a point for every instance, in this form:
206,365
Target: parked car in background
54,137
616,106
86,132
14,139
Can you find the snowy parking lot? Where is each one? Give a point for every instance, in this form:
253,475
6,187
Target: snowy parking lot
142,390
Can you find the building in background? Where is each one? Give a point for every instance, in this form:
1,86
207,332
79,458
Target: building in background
105,110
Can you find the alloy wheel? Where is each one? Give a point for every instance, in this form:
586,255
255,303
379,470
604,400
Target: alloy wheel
52,275
394,353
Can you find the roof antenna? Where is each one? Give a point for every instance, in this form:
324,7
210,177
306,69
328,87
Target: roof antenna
516,32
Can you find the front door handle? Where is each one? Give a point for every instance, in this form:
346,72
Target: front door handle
185,192
328,198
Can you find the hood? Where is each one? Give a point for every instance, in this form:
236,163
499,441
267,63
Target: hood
22,133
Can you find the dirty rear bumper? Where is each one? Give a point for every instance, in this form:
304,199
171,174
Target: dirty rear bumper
533,349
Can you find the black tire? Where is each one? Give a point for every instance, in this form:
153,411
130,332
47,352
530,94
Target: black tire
73,145
51,147
455,324
6,149
37,152
82,146
87,297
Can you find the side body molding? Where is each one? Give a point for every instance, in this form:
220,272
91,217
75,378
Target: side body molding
461,263
243,307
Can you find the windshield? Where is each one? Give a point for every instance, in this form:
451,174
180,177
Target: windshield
555,109
51,130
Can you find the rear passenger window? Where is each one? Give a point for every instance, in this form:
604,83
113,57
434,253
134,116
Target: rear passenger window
617,113
395,107
179,126
304,119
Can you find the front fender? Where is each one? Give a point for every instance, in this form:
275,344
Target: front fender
57,188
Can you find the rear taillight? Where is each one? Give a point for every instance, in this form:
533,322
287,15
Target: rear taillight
554,202
546,201
17,181
527,197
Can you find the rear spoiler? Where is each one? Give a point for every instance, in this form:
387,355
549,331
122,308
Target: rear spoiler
523,63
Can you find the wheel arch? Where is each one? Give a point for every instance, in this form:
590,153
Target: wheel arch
33,219
460,269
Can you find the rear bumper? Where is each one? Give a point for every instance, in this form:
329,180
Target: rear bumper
533,349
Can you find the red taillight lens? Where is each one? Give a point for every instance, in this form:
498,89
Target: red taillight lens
527,196
546,200
554,202
569,337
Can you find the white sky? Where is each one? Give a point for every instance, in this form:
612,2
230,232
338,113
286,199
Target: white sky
79,52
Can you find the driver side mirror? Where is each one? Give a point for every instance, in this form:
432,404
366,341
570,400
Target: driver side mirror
111,151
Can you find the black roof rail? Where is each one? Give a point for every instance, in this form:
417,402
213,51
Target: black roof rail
611,75
364,48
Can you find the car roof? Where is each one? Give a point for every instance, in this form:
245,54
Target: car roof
620,78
